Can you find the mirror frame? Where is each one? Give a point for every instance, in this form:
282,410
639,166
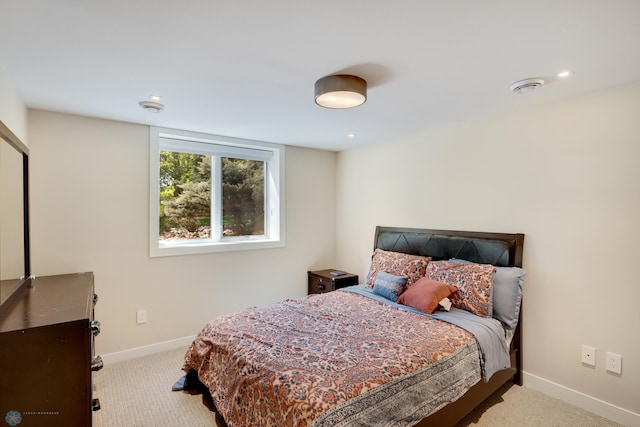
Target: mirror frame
7,135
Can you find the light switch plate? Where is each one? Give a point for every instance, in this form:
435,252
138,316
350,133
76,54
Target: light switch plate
141,317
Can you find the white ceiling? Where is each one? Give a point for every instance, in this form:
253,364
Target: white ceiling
247,68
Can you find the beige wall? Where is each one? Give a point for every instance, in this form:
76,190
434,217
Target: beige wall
89,212
567,175
13,112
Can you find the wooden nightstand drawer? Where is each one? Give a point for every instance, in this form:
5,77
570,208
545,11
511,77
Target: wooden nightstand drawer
318,284
323,281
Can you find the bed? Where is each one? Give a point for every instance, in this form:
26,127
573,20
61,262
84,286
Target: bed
357,357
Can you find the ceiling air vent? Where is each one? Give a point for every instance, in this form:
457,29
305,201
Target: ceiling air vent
527,85
153,107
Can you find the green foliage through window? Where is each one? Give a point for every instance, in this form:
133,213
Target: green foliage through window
185,196
242,197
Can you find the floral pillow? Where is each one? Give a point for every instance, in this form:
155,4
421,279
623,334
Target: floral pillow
474,283
506,293
426,294
398,264
389,286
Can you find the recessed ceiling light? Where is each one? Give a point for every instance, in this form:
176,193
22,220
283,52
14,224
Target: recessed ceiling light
565,73
351,135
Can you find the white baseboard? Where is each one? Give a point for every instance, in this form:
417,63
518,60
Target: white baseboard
581,400
146,350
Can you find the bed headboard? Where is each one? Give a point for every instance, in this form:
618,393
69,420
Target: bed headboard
499,249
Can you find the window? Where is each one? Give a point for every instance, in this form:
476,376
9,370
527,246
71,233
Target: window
210,193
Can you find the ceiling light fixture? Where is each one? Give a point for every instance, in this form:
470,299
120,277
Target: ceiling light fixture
340,91
152,107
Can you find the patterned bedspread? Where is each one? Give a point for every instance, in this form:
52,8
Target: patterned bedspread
333,359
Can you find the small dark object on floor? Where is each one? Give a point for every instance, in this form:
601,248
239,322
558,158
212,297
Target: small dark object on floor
191,384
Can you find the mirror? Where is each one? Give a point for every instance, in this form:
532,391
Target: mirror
14,255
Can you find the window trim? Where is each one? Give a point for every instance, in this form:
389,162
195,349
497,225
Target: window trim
274,192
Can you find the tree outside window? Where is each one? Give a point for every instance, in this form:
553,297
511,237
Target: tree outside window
185,196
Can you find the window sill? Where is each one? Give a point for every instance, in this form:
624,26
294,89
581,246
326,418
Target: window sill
205,246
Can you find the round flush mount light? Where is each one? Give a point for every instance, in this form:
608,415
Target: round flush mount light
150,106
340,91
527,85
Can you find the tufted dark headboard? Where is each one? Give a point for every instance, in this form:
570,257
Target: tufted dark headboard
500,249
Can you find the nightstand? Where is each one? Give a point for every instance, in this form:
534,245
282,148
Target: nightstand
321,281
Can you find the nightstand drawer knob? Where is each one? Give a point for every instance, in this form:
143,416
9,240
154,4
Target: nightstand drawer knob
320,287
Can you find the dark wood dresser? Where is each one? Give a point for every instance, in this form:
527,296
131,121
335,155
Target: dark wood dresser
323,281
46,353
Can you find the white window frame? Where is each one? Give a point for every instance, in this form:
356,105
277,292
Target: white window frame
198,143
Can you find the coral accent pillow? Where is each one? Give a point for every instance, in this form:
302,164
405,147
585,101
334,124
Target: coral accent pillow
398,264
474,283
425,294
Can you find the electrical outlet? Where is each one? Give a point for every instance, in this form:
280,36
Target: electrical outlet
614,363
141,317
588,355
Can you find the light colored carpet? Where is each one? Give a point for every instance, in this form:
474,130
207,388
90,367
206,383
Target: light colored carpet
137,393
512,405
